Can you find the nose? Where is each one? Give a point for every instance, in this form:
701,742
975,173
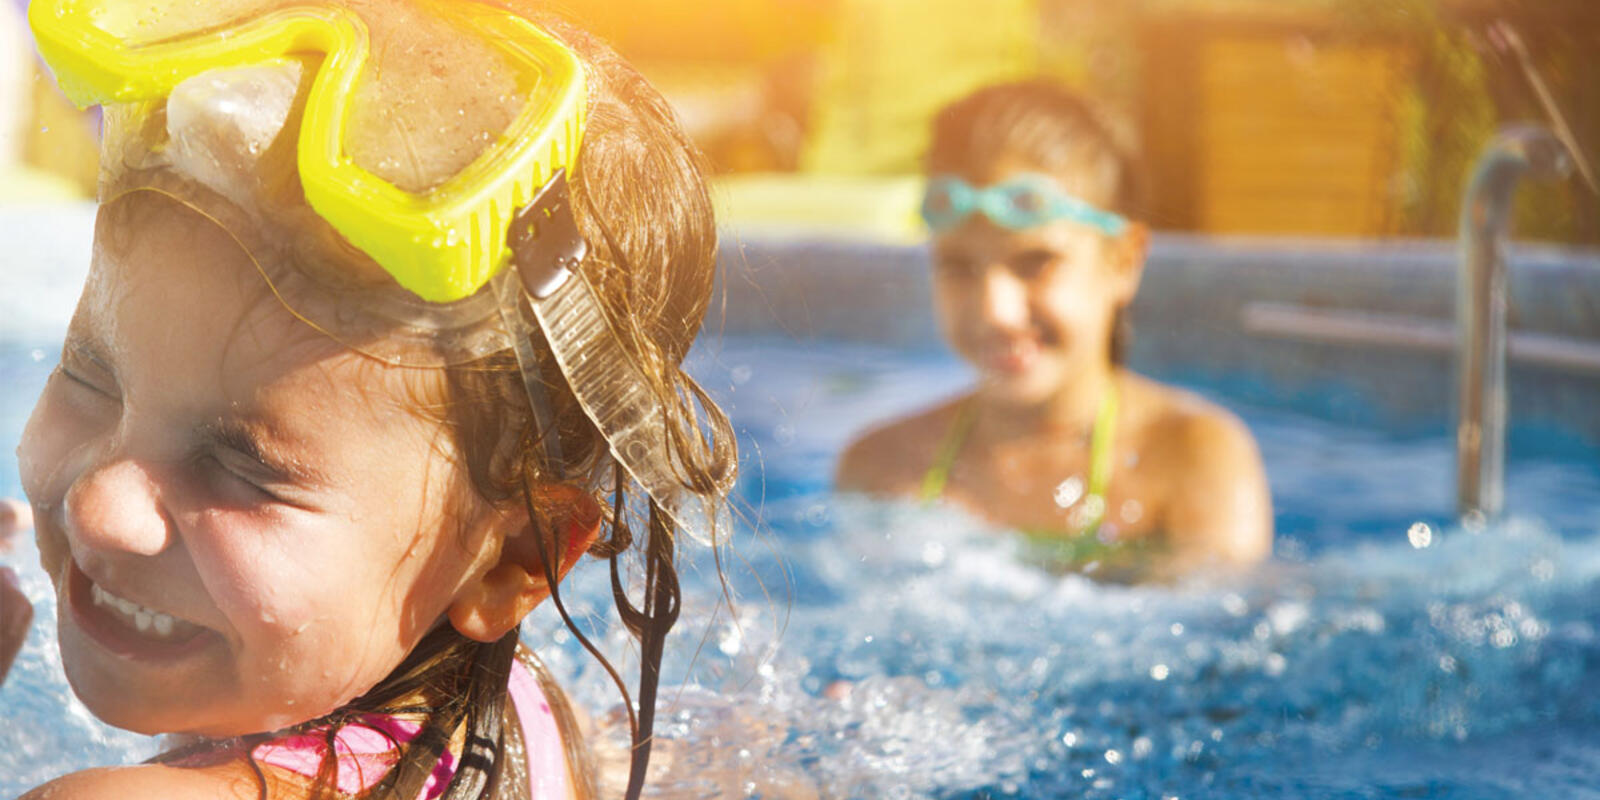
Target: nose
1003,299
115,507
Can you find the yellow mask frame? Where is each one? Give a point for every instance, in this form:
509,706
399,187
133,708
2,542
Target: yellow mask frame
443,244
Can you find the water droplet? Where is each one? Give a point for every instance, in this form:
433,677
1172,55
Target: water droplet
1113,756
1159,672
1132,511
1068,492
783,434
1276,664
1420,535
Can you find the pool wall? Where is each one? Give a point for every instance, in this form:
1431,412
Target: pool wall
1356,331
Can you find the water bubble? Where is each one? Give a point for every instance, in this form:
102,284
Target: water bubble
1070,738
741,374
1276,664
1544,569
1113,756
1420,535
1286,617
1093,506
1159,672
1142,747
36,354
1235,605
1474,521
1177,629
1447,664
1068,492
732,640
783,434
933,554
1132,511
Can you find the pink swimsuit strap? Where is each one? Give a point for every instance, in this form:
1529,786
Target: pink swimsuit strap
365,750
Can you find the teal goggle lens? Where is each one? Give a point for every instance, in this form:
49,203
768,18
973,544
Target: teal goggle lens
1023,202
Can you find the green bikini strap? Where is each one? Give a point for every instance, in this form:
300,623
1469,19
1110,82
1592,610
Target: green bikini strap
938,474
1100,450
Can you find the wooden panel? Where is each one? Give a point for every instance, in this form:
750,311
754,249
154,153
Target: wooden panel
1295,136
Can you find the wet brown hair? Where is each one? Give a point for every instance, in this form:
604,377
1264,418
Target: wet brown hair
639,196
1056,130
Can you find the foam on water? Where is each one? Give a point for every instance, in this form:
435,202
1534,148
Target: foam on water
1330,678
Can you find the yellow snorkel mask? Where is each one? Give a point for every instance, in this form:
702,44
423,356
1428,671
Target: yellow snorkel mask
443,244
415,275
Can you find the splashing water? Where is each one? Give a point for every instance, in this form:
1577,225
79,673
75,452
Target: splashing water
911,653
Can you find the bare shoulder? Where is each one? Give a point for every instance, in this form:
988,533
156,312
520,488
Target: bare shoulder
890,458
1189,429
1219,507
232,779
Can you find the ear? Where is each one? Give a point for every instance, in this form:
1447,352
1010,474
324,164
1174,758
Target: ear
1128,253
496,602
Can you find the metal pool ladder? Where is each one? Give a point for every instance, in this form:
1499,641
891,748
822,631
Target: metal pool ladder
1481,310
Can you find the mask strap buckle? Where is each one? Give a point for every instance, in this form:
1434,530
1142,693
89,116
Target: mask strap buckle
546,247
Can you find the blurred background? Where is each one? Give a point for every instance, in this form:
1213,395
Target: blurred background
1345,118
1342,118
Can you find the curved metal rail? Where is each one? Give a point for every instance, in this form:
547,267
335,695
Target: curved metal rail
1481,309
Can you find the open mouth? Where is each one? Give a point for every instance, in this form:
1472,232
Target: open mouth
127,628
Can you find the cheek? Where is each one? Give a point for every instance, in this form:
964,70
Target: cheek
54,431
275,575
1079,303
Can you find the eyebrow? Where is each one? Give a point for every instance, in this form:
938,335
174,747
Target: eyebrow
258,442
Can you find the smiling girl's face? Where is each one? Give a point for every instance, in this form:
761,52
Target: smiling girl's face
1031,309
245,525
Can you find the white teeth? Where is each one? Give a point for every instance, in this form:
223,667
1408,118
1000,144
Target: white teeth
145,620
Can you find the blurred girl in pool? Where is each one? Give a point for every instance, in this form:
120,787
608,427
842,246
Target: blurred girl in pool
1037,252
296,490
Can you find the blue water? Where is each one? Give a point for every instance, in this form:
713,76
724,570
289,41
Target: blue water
1370,659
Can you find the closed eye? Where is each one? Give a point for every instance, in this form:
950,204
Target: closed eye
1030,264
238,472
89,372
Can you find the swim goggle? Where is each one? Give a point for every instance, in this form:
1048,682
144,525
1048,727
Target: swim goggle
208,101
1022,202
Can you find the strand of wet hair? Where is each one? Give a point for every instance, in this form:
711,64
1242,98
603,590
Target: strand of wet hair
662,596
552,575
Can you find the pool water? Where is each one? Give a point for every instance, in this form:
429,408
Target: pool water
884,650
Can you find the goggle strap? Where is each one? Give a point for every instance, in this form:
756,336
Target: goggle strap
604,377
521,328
